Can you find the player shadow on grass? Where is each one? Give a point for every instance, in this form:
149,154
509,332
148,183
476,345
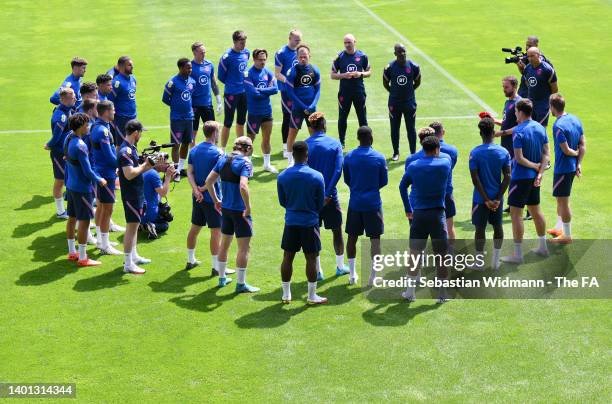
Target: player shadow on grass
207,301
50,272
105,280
469,227
49,248
36,202
177,282
397,314
26,229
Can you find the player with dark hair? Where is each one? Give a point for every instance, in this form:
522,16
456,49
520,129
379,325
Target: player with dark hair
351,66
570,147
508,121
260,84
123,96
79,177
105,86
365,173
325,156
530,158
78,66
301,192
488,164
177,95
232,66
284,59
203,72
401,78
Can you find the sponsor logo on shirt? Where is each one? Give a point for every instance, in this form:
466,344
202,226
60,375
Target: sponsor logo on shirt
532,81
186,95
351,68
203,80
402,80
242,67
306,80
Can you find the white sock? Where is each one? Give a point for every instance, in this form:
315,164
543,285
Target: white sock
567,229
518,249
127,260
286,289
221,268
284,146
495,258
59,205
351,263
82,252
312,290
241,275
104,240
340,261
89,234
215,261
410,290
98,235
191,255
71,246
181,164
266,158
559,225
290,159
319,269
134,253
542,241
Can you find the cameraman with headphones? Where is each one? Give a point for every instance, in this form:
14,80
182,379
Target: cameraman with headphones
155,220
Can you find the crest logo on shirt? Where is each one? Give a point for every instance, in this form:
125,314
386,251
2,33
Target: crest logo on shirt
117,84
351,68
67,84
132,94
242,67
358,58
306,80
402,80
532,81
262,84
63,118
190,86
539,71
206,69
203,80
186,95
408,70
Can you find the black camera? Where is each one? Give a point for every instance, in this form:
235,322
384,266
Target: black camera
517,54
164,212
153,153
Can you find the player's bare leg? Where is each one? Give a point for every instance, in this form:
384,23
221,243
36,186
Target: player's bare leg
266,147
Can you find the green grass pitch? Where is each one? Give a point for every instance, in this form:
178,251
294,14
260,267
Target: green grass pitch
171,336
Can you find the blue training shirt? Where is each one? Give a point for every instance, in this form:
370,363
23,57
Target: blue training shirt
365,173
259,84
531,137
401,81
490,160
79,174
567,129
419,155
151,181
285,58
304,87
123,95
73,82
203,158
325,156
232,199
232,66
428,177
301,193
538,81
177,94
203,74
59,128
103,149
453,153
357,62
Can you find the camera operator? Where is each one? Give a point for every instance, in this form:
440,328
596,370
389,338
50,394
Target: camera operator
154,190
132,194
532,41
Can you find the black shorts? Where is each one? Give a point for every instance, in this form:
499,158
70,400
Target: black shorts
133,209
80,205
254,123
522,192
449,206
181,131
233,222
233,103
541,114
371,222
331,215
204,213
481,215
306,238
506,143
106,193
202,113
59,165
297,117
119,133
428,223
286,102
562,184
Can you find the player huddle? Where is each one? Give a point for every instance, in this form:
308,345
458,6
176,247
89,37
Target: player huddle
95,148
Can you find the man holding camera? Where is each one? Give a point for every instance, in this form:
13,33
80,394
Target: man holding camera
177,95
132,194
234,169
154,190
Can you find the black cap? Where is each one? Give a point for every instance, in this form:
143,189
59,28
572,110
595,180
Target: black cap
134,125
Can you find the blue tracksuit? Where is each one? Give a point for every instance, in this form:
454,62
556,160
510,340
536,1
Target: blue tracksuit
72,82
59,128
285,58
203,158
365,173
177,94
79,175
567,129
123,95
232,66
202,74
325,156
304,87
531,137
259,86
429,178
490,160
103,149
301,193
419,155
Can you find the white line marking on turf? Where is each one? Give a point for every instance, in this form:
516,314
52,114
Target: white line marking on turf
432,62
380,119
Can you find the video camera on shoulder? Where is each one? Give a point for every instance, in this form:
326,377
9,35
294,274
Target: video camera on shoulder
153,153
517,54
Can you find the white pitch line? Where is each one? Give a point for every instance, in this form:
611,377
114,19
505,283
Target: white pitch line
432,62
380,119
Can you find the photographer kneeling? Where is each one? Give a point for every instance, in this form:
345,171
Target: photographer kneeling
156,218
